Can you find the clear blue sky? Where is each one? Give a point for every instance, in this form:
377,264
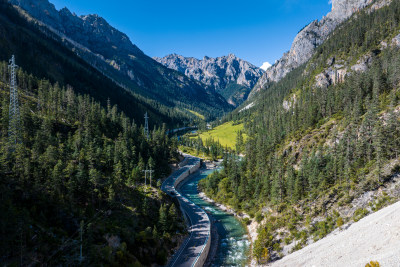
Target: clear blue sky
255,30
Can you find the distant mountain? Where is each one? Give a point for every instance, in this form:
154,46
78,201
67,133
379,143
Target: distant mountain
229,75
310,37
111,52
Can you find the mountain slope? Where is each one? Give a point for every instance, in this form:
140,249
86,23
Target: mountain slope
353,246
310,37
113,54
44,56
229,75
74,182
323,141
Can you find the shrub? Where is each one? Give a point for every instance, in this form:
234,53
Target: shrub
372,264
339,222
246,221
288,240
359,214
259,217
396,169
277,247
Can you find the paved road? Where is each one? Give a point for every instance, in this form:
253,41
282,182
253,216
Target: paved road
199,230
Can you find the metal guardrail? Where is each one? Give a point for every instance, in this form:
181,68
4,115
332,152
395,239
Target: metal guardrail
206,246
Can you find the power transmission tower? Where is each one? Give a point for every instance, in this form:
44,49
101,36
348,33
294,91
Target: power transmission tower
146,126
14,116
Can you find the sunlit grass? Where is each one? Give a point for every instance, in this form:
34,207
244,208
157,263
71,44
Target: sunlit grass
226,134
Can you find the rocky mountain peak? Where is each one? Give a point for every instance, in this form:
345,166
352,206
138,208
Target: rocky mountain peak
219,73
310,37
342,9
78,28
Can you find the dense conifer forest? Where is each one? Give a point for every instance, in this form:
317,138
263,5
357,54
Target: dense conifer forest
335,142
78,166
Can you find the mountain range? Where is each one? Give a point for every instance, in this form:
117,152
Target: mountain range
229,75
112,53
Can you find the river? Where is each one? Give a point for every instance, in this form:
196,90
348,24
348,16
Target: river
233,244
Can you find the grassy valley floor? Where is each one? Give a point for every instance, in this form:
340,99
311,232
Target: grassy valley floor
226,134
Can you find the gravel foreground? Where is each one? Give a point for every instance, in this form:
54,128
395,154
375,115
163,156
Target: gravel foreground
375,237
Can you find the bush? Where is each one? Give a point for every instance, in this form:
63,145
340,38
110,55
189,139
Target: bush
246,221
339,222
359,214
288,240
396,169
277,247
259,217
372,264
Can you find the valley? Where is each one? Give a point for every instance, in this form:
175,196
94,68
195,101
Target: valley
112,157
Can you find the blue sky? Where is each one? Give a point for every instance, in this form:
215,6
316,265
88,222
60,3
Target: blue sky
254,30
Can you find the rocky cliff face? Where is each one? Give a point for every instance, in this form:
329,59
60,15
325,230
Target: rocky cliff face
308,39
91,31
112,53
228,75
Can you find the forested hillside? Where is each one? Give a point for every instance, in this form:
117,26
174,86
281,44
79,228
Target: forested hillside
107,50
321,137
43,54
76,172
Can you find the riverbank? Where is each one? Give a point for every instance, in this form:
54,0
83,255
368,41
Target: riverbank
233,243
251,229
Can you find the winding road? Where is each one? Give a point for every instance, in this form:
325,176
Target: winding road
190,252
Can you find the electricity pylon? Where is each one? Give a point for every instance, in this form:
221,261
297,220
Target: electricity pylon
14,116
146,126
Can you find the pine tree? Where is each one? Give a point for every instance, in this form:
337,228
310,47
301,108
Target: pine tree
378,148
163,218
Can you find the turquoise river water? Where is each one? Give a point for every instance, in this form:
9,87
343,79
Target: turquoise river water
233,243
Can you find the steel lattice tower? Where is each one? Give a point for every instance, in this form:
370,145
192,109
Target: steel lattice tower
14,116
146,126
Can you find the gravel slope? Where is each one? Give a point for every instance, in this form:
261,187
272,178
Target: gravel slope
375,237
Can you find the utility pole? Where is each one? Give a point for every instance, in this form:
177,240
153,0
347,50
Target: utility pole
14,115
146,126
151,173
145,176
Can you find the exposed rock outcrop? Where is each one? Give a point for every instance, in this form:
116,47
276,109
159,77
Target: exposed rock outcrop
311,37
219,73
396,41
362,64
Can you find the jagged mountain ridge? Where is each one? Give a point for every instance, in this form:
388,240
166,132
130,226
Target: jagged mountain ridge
112,53
228,75
309,38
46,57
